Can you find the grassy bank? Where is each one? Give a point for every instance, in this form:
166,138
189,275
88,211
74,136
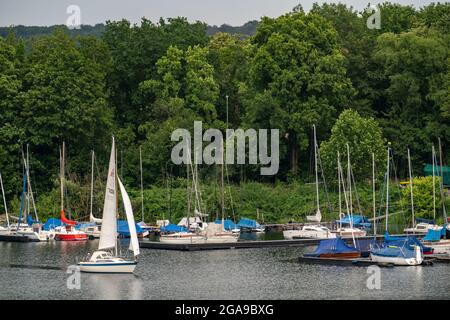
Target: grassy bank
279,203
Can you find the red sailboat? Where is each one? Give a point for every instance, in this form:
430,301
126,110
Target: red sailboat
67,232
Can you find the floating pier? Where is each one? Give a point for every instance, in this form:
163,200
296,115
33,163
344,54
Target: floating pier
15,238
360,262
244,244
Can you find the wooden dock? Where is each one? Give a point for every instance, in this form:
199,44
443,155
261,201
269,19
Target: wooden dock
244,244
15,238
360,262
220,246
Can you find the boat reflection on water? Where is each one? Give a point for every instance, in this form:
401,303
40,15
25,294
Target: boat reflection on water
113,286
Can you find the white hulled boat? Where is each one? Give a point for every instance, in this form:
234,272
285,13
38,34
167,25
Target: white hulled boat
315,231
106,258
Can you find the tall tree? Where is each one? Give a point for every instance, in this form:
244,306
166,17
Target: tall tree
364,137
298,72
64,98
413,68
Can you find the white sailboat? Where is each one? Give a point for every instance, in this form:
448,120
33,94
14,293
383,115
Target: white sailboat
406,254
205,232
441,246
350,231
93,228
33,229
314,231
4,230
106,259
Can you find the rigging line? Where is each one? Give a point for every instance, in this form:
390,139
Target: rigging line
356,189
330,205
229,191
399,193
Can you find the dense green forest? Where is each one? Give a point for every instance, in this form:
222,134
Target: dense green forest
365,87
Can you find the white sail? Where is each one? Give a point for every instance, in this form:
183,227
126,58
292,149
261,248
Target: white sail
108,235
134,243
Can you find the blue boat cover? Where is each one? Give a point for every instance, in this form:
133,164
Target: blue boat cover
52,223
409,241
364,245
336,245
433,235
85,225
30,220
248,223
124,230
357,221
227,224
173,228
422,220
394,251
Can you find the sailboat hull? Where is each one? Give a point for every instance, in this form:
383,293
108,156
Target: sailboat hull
71,237
398,261
104,267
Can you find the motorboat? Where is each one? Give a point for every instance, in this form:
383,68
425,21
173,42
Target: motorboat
310,232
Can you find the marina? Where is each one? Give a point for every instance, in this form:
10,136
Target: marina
257,273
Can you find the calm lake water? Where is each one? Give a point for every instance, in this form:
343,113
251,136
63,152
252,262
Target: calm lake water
38,271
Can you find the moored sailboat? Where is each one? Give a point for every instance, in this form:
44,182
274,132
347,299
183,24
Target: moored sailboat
106,259
67,231
315,230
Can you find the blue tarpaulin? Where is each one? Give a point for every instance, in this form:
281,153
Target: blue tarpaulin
395,250
434,235
173,228
335,245
85,225
409,241
422,220
52,223
124,230
248,223
227,224
364,246
30,220
357,221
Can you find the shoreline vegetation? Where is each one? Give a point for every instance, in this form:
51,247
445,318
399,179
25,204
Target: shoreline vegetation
280,203
370,88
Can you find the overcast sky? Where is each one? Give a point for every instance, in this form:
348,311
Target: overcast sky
233,12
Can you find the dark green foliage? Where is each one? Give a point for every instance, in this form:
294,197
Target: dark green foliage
140,82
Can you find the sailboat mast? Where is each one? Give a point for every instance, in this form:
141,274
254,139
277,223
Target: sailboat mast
373,196
30,189
387,188
188,193
411,189
116,175
92,184
142,183
349,174
4,200
222,187
339,186
315,167
442,181
433,161
28,183
61,175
